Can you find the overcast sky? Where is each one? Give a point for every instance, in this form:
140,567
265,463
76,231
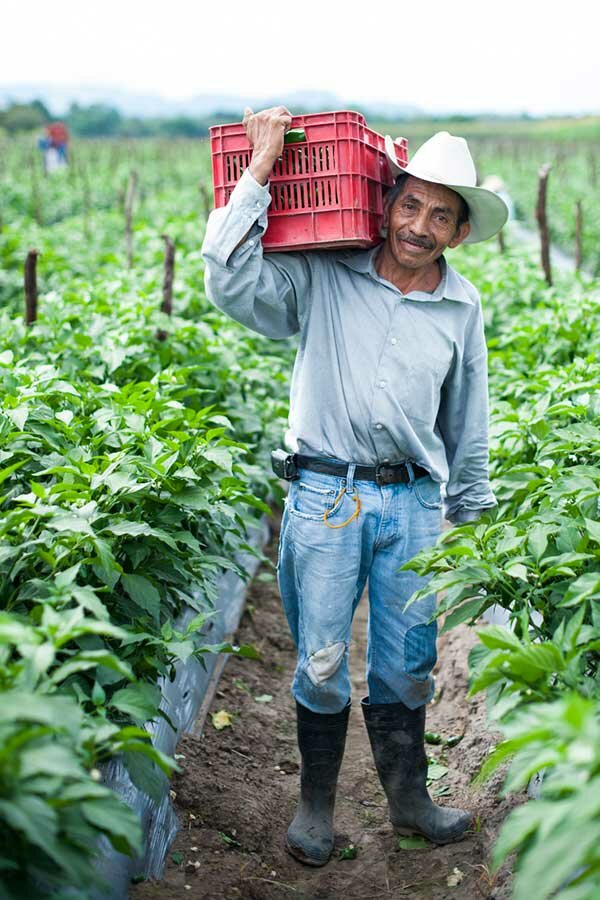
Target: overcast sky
515,55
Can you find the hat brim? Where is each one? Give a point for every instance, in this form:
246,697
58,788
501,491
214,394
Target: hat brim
488,212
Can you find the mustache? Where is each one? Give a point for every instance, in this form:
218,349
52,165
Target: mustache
416,241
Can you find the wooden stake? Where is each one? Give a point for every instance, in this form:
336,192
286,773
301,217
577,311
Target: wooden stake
31,287
129,201
542,220
206,199
501,241
578,235
167,303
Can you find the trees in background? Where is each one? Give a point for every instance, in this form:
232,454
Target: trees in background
102,120
24,117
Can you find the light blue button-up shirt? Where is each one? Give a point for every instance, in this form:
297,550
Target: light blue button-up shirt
380,376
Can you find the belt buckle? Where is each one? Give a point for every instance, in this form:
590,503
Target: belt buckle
384,474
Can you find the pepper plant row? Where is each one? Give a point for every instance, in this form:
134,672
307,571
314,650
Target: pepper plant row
130,468
538,556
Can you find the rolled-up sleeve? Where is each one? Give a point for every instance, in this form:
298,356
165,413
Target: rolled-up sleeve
463,420
268,294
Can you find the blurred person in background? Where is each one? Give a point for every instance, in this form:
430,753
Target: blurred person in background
55,145
496,184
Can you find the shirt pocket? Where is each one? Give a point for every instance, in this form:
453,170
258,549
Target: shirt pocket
421,374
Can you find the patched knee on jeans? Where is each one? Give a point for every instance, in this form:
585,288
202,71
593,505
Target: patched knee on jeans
325,662
420,653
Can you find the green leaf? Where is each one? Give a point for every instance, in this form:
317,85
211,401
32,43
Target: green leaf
66,578
13,631
35,819
141,529
246,651
8,470
196,623
181,650
435,771
145,775
77,524
537,540
140,701
412,843
517,570
194,498
21,706
547,863
19,416
467,612
130,528
143,593
87,598
50,759
91,659
496,636
593,529
220,456
587,585
117,821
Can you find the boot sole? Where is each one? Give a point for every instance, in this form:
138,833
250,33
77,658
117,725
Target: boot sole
411,832
298,854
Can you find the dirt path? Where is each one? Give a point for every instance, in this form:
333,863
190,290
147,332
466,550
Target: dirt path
236,794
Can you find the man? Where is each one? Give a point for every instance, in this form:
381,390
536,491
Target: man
388,401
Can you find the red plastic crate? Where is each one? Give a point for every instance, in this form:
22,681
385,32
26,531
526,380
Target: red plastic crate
327,191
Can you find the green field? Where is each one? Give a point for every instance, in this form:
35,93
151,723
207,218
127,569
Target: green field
513,149
133,456
571,130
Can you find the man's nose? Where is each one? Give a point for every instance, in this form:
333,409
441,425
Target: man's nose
419,225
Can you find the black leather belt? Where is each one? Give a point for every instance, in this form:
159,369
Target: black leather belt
382,474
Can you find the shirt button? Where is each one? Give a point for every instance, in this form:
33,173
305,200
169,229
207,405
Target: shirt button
251,243
379,426
382,384
258,204
394,341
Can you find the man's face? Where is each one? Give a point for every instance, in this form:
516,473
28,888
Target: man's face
423,222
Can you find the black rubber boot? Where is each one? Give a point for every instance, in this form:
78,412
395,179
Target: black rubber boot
321,739
397,736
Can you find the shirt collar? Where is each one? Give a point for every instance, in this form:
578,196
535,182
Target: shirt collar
451,286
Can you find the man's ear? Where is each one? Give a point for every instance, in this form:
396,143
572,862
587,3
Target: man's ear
462,232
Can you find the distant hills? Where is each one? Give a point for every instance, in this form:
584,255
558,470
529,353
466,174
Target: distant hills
58,98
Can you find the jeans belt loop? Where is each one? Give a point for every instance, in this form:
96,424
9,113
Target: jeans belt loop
411,473
350,478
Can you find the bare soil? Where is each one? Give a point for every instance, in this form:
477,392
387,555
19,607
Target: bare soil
236,794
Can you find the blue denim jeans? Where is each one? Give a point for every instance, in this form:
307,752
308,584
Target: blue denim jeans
322,572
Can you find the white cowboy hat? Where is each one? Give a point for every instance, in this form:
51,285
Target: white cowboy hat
446,159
